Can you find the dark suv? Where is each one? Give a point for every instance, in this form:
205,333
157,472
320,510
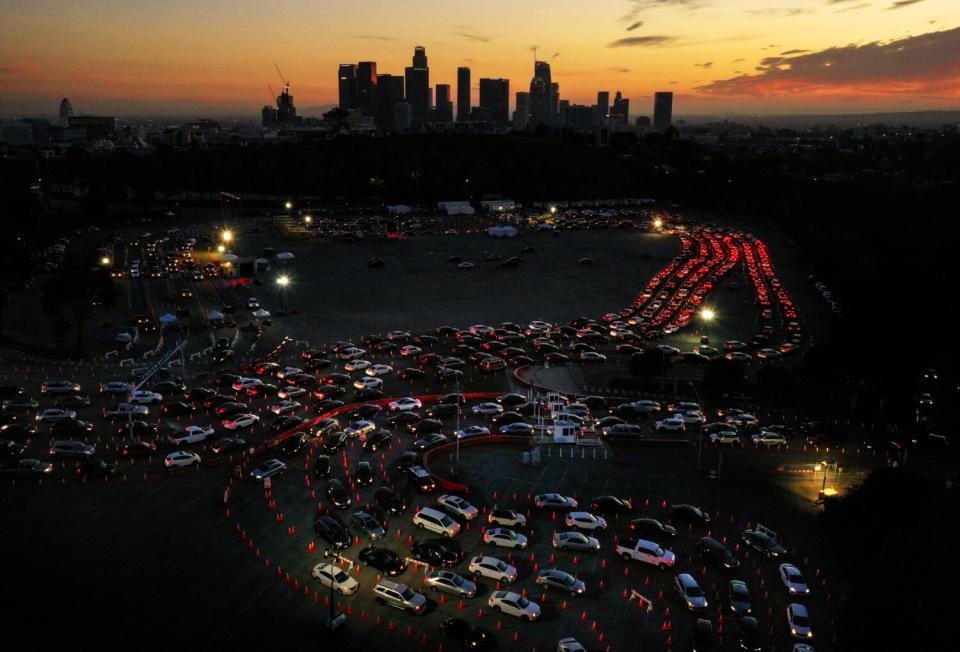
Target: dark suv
713,550
332,530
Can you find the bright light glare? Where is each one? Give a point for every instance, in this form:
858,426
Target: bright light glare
105,260
288,205
283,281
707,314
657,223
221,248
227,235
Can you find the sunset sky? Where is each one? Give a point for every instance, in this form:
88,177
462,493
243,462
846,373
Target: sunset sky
215,57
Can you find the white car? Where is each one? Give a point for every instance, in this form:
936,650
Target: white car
181,459
586,521
572,540
190,435
59,387
508,517
333,576
288,371
505,538
398,335
592,356
405,404
360,428
291,392
645,406
52,415
368,382
799,621
692,417
514,604
436,521
767,438
481,330
351,353
241,421
410,350
724,437
243,384
792,578
115,387
357,365
570,644
143,397
379,370
126,409
671,424
285,407
457,506
554,501
487,409
492,568
472,431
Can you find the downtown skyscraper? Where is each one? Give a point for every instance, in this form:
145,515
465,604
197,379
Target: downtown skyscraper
417,78
542,102
463,94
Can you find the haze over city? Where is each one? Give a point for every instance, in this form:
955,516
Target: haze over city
738,56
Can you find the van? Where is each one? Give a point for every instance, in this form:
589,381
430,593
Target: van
436,521
399,596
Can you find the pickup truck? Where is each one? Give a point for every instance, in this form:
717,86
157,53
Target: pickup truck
645,551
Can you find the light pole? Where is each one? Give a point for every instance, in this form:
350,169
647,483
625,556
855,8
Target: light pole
283,282
707,315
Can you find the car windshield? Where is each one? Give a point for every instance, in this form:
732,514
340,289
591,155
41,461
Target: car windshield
694,591
341,577
800,620
407,594
523,602
456,580
446,521
659,551
501,566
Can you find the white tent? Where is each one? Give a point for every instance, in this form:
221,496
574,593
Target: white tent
398,209
228,258
260,313
167,318
502,231
285,257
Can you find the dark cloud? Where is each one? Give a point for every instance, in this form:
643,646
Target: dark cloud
900,4
706,65
374,37
473,37
785,12
738,60
642,41
788,52
927,64
620,70
634,26
862,5
640,6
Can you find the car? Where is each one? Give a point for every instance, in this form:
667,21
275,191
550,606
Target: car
738,598
410,373
691,417
611,505
724,437
334,577
268,469
424,426
571,540
72,448
293,445
89,467
181,459
741,419
243,384
377,370
384,560
53,415
194,394
556,579
690,592
585,521
333,441
390,500
429,441
592,356
241,421
434,553
487,409
73,401
492,568
404,404
793,580
505,538
190,435
230,408
137,449
360,429
421,479
712,550
738,356
227,445
285,407
70,428
689,514
570,644
378,440
751,639
399,596
763,542
798,620
554,501
27,467
457,506
143,397
21,404
285,422
449,582
766,438
436,521
470,636
368,383
472,431
337,494
651,527
514,604
368,525
507,517
363,474
178,409
671,424
59,387
518,429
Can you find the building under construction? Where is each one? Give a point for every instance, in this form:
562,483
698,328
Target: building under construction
284,115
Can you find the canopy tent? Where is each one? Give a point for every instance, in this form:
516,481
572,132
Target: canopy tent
167,318
398,209
285,257
229,258
214,315
260,313
502,231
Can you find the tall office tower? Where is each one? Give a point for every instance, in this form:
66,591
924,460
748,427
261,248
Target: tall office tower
463,93
367,87
554,101
662,110
578,117
619,111
418,86
495,100
603,108
521,113
347,85
268,117
444,107
66,112
389,91
286,111
541,105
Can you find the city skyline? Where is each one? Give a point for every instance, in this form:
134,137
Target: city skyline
746,56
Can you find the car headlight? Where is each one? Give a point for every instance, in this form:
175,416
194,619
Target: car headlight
793,631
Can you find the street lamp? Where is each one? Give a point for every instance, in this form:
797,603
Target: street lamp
227,236
707,315
288,205
105,261
307,219
283,282
553,210
221,249
657,223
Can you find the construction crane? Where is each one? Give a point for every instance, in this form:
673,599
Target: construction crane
273,96
286,84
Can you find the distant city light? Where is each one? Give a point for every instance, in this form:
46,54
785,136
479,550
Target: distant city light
308,218
553,210
288,205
